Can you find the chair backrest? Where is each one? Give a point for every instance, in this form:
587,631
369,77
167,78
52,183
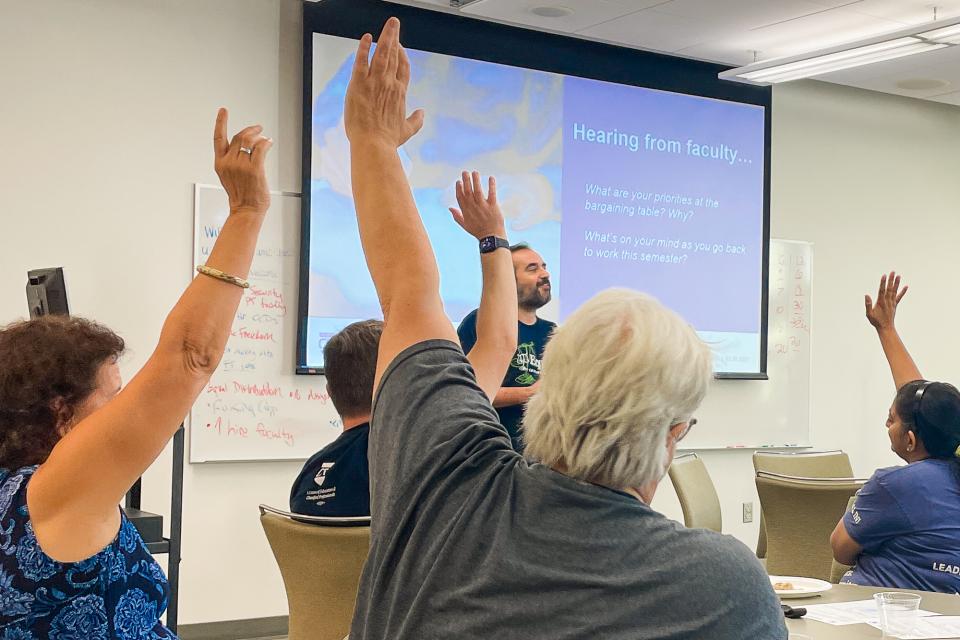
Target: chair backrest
809,464
698,497
320,560
801,513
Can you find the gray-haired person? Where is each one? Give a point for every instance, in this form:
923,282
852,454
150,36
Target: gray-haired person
468,539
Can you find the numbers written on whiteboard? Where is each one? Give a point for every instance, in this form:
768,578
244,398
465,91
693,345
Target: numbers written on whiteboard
789,327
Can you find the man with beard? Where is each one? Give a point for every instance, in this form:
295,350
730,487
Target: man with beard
520,383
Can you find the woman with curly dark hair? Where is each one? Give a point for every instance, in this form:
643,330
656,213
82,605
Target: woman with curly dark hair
903,530
72,442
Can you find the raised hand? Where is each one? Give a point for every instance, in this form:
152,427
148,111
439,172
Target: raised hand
376,102
240,166
479,215
882,314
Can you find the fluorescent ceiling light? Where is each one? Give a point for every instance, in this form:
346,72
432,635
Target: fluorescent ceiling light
940,34
818,66
919,39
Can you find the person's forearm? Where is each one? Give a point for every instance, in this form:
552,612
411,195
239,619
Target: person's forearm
902,366
397,250
510,396
496,320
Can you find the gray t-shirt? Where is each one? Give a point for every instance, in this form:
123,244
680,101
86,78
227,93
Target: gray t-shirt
468,540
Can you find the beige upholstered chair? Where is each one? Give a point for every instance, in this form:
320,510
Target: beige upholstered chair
807,464
320,560
801,513
698,497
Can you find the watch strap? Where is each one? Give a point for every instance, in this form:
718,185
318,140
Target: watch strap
489,244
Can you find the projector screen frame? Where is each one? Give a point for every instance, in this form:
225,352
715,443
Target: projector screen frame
456,35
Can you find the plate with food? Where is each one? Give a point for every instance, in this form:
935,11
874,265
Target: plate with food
796,587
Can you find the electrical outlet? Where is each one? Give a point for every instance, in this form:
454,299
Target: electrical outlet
748,512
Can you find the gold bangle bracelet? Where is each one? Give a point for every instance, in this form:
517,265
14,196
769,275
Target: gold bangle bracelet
220,275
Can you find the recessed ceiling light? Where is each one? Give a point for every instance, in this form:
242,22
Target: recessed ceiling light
922,84
551,12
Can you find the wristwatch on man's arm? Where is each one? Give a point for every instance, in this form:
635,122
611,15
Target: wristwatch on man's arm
489,244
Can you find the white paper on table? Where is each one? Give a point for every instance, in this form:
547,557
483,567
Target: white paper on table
928,628
856,612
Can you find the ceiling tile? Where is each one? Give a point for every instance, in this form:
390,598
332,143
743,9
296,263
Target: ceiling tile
722,50
651,29
833,4
584,13
634,5
908,12
809,33
741,14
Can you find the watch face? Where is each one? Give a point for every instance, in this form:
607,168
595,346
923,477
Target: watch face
488,244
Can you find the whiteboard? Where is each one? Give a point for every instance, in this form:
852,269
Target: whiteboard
773,413
255,407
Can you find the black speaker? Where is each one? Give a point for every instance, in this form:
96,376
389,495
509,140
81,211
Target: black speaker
46,292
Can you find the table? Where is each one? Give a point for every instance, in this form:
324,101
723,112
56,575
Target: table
803,629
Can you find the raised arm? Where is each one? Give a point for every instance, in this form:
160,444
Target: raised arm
395,244
73,496
881,315
480,216
510,396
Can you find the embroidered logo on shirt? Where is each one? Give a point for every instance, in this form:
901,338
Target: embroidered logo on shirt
322,474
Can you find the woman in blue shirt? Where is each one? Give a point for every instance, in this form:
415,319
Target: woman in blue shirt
72,443
903,530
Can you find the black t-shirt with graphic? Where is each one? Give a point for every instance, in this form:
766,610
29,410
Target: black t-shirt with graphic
335,482
524,368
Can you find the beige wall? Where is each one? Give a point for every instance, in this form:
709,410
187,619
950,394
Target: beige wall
106,110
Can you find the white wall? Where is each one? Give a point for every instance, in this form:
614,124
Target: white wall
106,111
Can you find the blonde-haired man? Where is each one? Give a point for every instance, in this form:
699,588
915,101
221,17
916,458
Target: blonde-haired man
468,539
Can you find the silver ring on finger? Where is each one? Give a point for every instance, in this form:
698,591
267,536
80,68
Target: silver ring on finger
246,150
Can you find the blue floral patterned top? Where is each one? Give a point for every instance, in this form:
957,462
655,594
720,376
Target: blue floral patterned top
120,593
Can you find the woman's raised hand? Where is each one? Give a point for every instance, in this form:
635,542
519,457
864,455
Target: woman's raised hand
882,313
240,165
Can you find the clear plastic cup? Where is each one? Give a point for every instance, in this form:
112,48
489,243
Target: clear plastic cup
898,612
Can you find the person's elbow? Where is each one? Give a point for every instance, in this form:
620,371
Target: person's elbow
493,349
498,344
845,549
200,359
402,290
187,356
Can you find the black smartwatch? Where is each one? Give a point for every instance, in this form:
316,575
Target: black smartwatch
492,243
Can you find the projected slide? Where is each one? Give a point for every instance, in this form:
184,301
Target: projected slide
613,185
